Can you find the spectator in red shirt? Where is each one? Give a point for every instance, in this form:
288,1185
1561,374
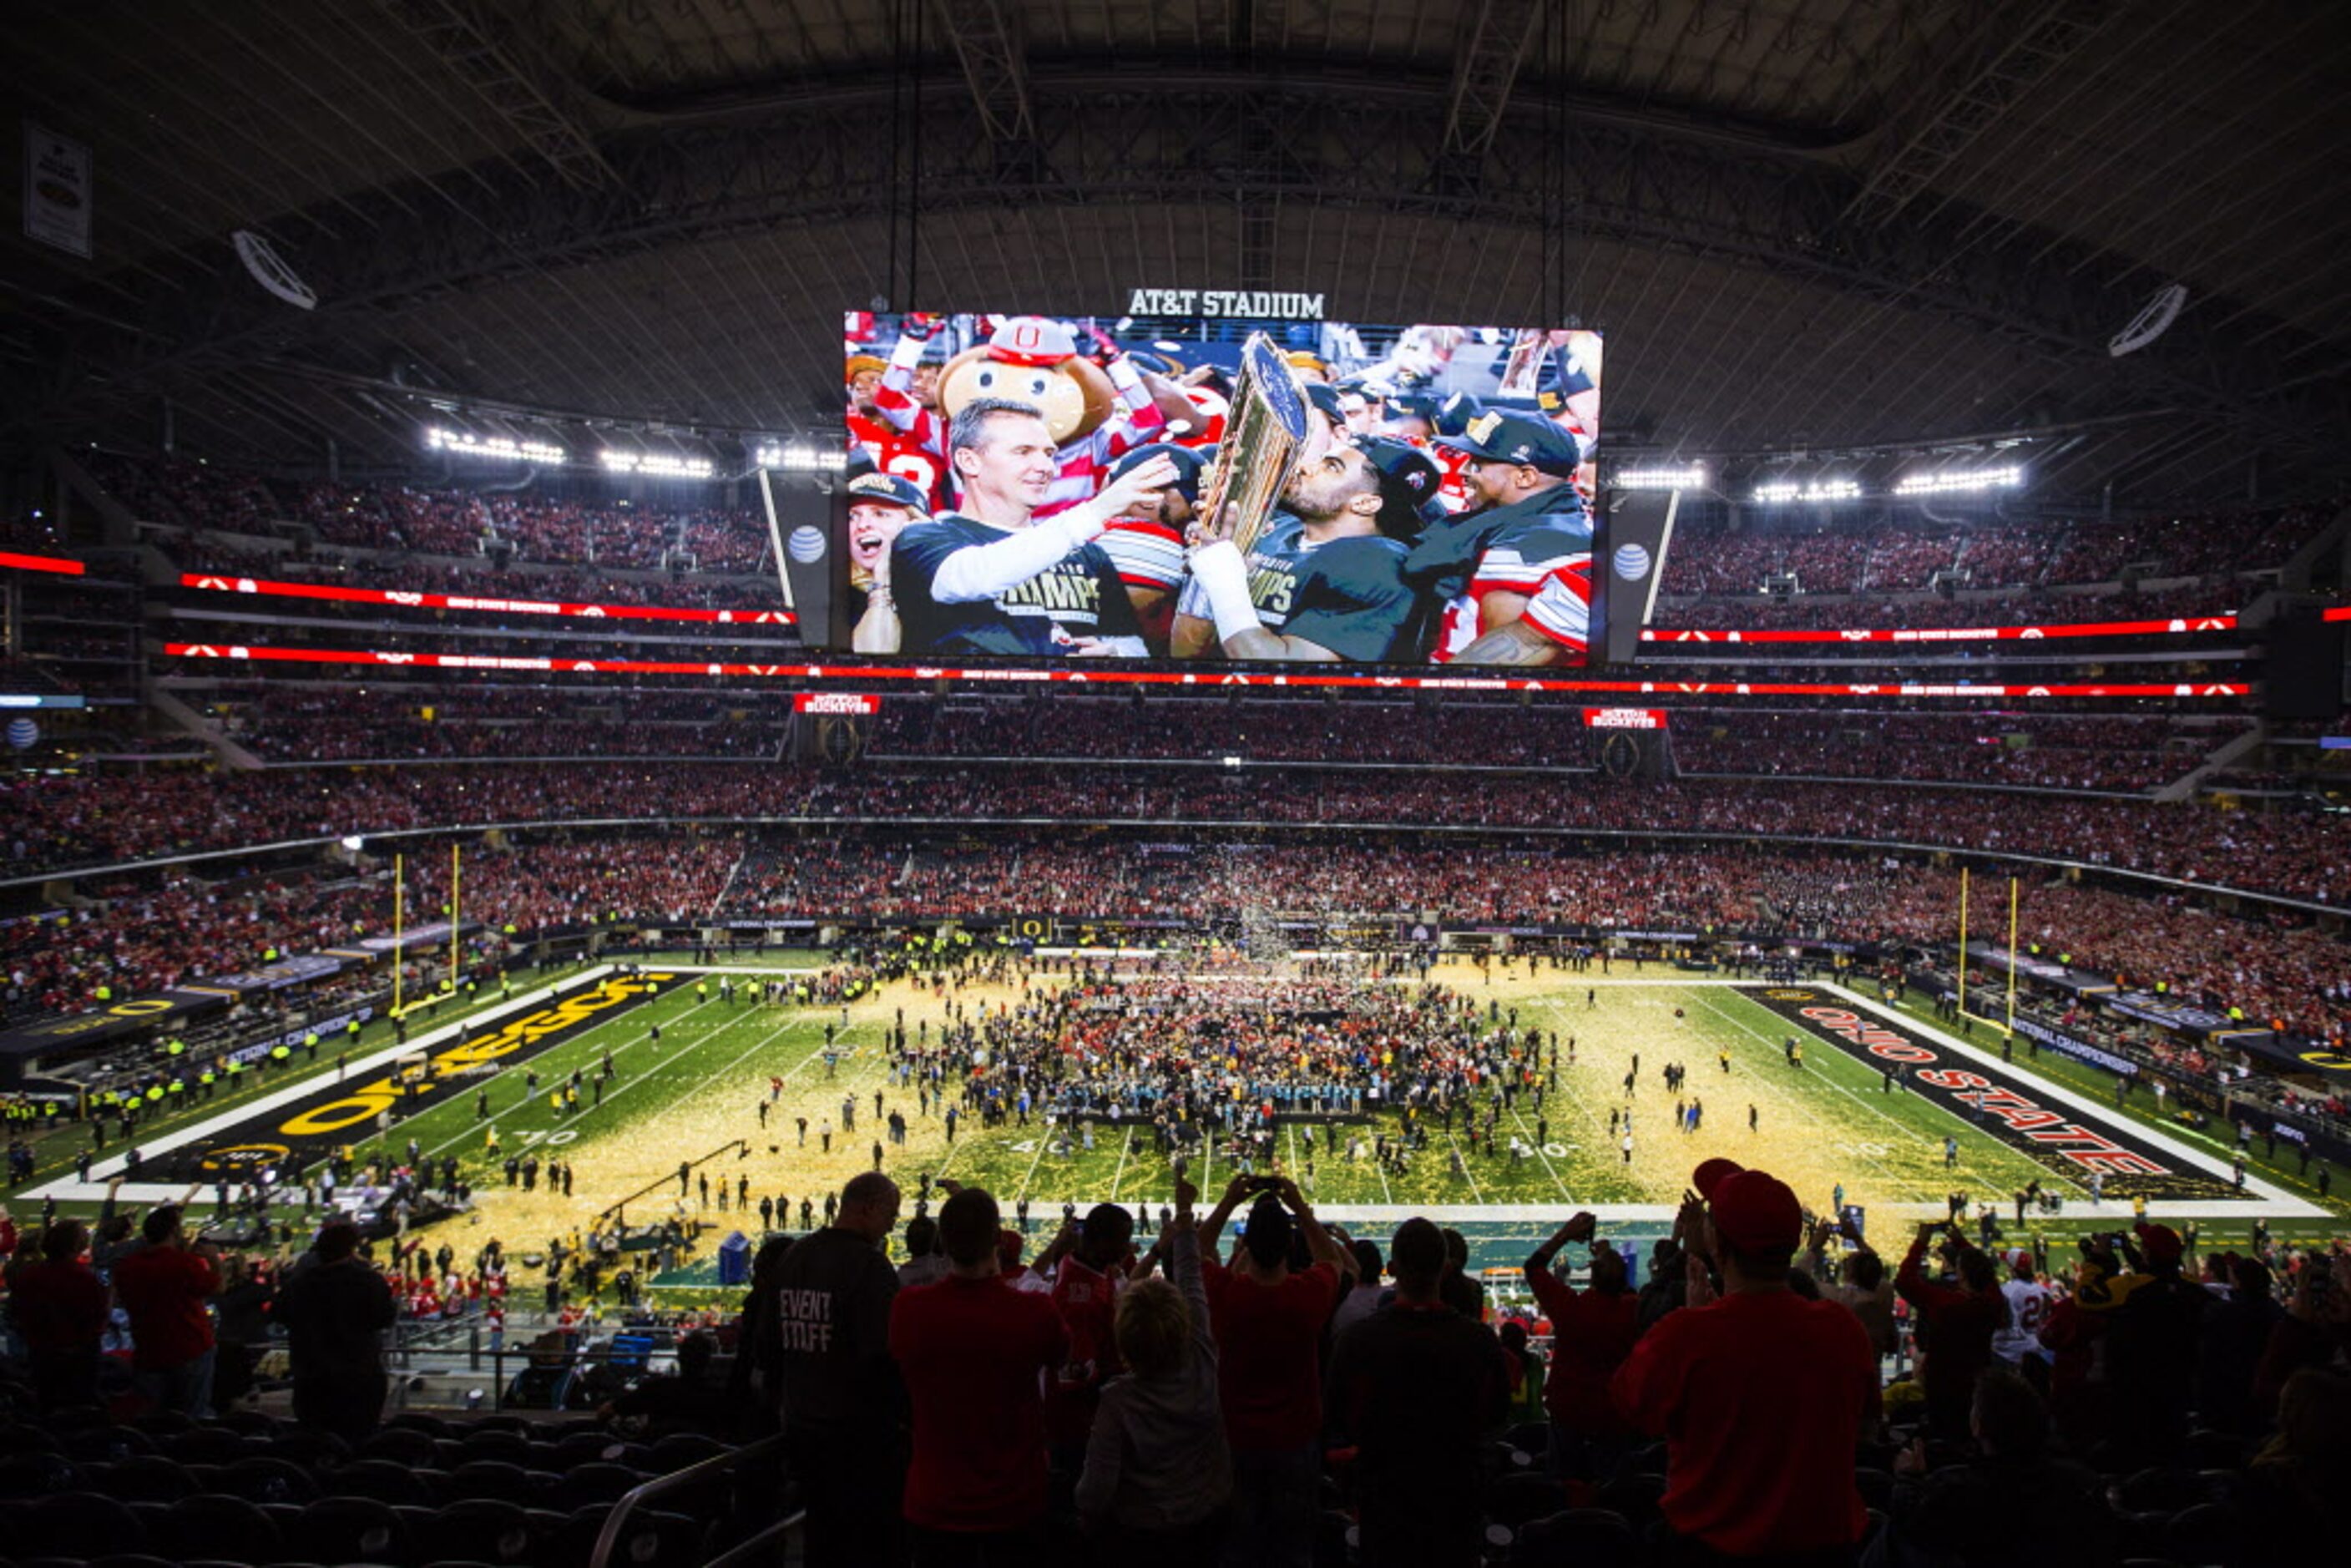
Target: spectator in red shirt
59,1309
1592,1333
163,1288
1269,1321
1760,1395
1959,1320
974,1352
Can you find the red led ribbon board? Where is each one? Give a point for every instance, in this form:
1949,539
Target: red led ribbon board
479,603
1115,677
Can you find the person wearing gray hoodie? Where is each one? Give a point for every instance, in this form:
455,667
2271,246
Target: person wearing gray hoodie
1158,1474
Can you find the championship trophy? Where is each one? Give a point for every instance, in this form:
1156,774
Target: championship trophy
1263,436
1522,372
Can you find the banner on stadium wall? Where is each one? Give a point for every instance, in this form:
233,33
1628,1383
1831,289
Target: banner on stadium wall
275,976
124,1018
1623,718
2078,982
431,933
2065,1044
2291,1053
2183,1016
328,1029
836,704
58,191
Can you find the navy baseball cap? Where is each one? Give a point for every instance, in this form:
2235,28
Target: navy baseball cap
1496,436
1454,414
878,488
1407,479
1188,461
1326,399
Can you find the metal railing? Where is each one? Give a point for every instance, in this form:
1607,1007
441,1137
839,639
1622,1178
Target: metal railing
610,1535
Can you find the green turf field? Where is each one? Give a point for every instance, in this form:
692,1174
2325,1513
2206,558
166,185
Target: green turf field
695,1096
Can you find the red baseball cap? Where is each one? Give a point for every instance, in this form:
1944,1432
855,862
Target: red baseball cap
1711,1173
2162,1242
1755,1211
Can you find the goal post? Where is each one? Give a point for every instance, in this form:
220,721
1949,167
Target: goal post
2007,1026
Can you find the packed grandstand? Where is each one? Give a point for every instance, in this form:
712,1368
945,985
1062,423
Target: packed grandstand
623,940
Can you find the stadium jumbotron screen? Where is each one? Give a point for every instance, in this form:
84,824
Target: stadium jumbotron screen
1219,489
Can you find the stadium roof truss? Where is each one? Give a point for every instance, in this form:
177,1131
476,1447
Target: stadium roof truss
1802,221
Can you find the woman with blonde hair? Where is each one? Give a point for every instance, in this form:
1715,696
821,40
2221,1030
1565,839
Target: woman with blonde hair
1158,1475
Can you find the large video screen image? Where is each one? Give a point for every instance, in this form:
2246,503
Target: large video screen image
1219,489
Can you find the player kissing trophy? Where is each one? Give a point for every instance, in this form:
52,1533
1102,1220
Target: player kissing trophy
1265,436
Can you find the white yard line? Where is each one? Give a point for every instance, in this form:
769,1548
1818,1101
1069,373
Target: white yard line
1466,1175
1565,1197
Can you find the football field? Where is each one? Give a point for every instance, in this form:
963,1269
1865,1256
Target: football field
726,1085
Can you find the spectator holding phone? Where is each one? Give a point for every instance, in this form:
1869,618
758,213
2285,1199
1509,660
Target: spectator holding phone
163,1287
1592,1333
1269,1320
1759,1393
1959,1321
1158,1473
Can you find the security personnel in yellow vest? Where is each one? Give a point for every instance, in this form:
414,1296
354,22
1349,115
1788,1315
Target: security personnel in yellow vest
279,1056
2236,1015
175,1046
177,1087
154,1094
236,1071
105,994
310,1043
204,1081
350,1036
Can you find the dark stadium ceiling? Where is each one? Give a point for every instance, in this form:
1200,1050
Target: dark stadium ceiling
1817,223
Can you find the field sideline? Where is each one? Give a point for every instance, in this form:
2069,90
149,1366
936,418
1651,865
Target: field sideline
697,1095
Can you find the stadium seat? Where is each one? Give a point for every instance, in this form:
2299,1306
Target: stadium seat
1530,1437
265,1479
229,1528
483,1529
497,1443
500,1480
107,1444
1576,1537
78,1521
1512,1499
2207,1533
586,1448
350,1529
402,1445
383,1480
23,1439
651,1538
207,1446
35,1475
144,1477
680,1449
595,1482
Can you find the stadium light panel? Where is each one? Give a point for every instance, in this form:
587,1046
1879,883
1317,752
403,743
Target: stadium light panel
659,466
1786,490
1690,478
498,448
1953,481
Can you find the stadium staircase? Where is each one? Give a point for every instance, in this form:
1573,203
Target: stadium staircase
2243,744
194,724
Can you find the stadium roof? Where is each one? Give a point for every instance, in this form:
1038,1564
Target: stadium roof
1801,222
